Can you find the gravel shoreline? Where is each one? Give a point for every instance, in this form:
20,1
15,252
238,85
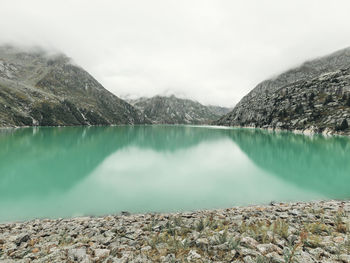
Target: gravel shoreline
279,232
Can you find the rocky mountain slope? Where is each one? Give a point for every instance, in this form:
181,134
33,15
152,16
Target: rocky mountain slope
218,110
173,110
312,98
50,90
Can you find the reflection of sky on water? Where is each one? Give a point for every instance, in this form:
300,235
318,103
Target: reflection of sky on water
214,174
208,174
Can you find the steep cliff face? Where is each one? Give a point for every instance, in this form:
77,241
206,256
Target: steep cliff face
314,97
173,110
50,90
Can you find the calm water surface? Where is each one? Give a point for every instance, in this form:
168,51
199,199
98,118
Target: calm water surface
63,172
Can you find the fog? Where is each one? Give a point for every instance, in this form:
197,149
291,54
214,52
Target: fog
211,51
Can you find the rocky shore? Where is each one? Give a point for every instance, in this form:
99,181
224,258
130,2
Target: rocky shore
278,232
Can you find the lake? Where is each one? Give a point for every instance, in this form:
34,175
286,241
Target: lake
73,171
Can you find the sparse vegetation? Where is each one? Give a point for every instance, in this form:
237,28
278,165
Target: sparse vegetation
280,227
243,234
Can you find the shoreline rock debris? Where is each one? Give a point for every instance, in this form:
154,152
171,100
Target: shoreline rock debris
282,232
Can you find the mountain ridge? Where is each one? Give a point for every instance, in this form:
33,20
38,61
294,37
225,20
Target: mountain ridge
311,98
173,110
307,70
51,90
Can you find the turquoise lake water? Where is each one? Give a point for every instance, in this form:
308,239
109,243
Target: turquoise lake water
73,171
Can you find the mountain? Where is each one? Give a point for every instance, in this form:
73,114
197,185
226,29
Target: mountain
218,110
312,98
173,110
37,88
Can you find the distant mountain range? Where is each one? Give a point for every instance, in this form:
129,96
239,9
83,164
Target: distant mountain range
173,110
49,90
41,89
312,98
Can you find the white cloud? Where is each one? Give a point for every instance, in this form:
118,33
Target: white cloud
213,51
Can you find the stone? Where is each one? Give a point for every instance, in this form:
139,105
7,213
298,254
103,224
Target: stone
344,258
304,257
21,239
77,254
248,252
101,253
268,248
294,212
221,247
248,259
125,213
250,242
338,239
35,250
275,257
202,242
193,255
146,249
168,258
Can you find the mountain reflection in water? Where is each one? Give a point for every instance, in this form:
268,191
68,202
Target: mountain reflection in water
59,172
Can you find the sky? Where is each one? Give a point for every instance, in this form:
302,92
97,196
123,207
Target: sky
212,51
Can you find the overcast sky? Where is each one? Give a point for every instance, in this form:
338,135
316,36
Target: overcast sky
212,51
